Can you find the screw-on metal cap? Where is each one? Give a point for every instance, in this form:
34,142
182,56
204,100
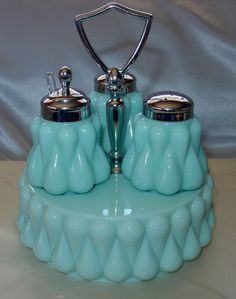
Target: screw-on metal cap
168,106
65,104
101,85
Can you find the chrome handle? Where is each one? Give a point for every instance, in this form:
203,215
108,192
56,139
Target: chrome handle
115,107
147,17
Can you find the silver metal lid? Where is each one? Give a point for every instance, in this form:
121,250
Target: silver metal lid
65,104
168,106
101,83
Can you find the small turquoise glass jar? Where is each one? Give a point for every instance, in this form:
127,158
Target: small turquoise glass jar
66,155
166,154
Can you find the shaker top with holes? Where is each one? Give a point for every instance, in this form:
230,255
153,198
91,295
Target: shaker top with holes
168,106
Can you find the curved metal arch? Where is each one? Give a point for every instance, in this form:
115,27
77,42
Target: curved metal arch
147,17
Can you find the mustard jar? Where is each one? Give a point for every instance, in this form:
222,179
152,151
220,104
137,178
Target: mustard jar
66,155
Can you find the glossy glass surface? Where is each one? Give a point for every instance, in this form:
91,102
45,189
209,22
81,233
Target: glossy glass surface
116,198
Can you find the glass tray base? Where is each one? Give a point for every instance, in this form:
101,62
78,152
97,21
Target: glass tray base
115,232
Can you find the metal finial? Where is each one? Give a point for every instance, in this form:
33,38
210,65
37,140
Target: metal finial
65,77
115,80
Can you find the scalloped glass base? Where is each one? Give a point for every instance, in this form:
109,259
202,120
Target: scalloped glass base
116,232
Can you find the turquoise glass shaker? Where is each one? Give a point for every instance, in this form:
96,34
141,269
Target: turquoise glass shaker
133,100
166,154
66,155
